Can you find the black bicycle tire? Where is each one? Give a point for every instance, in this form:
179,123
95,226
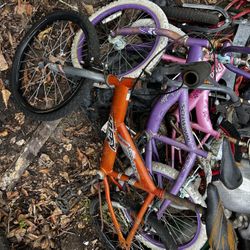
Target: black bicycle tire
152,221
191,15
93,54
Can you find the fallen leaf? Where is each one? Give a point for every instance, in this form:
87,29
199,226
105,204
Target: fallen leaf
66,159
1,84
89,9
10,39
44,171
90,151
67,147
45,160
32,236
82,158
19,234
20,142
4,133
81,225
43,34
3,64
6,96
23,8
12,195
52,244
65,220
44,243
24,191
45,229
26,173
65,175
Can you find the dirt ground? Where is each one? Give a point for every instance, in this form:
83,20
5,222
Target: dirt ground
29,214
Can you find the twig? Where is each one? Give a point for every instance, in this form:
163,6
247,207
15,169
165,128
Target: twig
1,6
8,224
67,4
100,203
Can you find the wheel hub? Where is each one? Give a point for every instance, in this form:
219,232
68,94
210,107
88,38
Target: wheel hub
118,42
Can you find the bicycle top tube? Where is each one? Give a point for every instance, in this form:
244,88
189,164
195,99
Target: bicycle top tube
185,40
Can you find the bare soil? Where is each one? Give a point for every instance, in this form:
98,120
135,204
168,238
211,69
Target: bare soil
29,214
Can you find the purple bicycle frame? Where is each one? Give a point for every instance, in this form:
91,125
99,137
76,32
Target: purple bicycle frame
163,105
156,117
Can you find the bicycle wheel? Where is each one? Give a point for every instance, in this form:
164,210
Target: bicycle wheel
184,226
104,226
127,55
39,91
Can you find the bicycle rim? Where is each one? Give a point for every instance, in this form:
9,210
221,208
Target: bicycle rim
36,87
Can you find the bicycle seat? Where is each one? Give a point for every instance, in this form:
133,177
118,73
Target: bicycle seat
230,174
220,232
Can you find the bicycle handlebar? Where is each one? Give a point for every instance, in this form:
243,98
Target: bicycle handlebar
227,22
97,76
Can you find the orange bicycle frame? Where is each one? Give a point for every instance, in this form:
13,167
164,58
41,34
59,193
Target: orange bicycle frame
117,133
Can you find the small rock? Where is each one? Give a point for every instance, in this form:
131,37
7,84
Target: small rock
20,142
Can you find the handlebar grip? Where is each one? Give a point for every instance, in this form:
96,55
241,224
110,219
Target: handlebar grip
236,49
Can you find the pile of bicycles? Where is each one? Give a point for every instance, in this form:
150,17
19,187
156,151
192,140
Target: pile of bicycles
174,172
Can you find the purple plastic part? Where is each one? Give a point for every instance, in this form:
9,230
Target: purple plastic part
237,70
150,31
197,42
195,52
119,8
236,49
